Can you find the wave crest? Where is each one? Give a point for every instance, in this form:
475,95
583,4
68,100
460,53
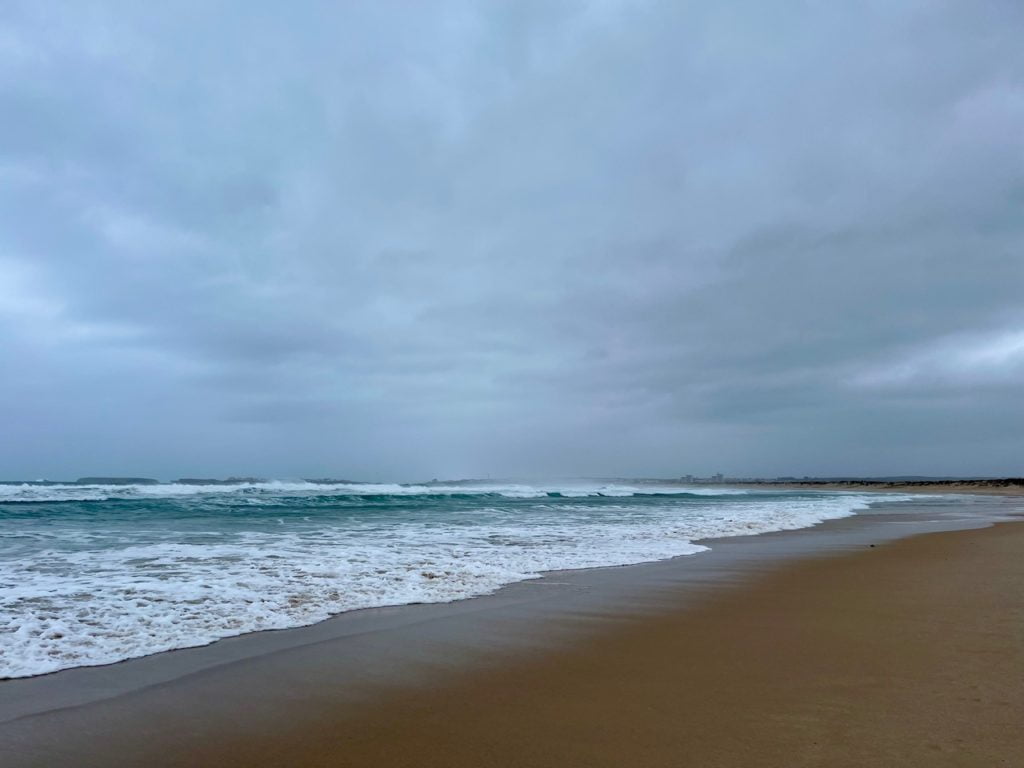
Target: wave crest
35,493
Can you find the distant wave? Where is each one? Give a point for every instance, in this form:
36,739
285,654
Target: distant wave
30,493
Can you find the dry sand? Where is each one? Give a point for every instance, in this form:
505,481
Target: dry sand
908,654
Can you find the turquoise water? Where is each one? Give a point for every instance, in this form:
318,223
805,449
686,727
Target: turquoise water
97,574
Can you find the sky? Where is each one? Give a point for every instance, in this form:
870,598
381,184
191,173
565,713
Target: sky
403,240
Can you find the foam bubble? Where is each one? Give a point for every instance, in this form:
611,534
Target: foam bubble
82,588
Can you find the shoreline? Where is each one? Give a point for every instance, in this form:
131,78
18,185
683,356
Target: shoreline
545,578
907,654
407,647
292,579
542,576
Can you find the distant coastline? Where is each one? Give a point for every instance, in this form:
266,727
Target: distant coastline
1010,486
1013,486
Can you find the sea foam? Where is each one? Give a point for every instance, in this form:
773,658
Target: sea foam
100,574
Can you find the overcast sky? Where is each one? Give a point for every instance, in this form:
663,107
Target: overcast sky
385,240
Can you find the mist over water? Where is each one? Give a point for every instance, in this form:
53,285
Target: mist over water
97,574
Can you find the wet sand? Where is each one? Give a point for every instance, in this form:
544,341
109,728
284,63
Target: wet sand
906,653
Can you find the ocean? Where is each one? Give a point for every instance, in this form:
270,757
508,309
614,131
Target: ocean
95,574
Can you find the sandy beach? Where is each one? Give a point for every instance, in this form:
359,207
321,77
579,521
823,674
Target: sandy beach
908,652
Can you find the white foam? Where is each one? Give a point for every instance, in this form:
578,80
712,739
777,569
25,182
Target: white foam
87,596
82,492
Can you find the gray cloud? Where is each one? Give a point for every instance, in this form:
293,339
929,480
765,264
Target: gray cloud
403,239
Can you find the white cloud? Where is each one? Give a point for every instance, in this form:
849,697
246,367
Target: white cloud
959,360
22,296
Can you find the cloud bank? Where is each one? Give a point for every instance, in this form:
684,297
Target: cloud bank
401,240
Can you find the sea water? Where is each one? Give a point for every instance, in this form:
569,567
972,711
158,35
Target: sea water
94,574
